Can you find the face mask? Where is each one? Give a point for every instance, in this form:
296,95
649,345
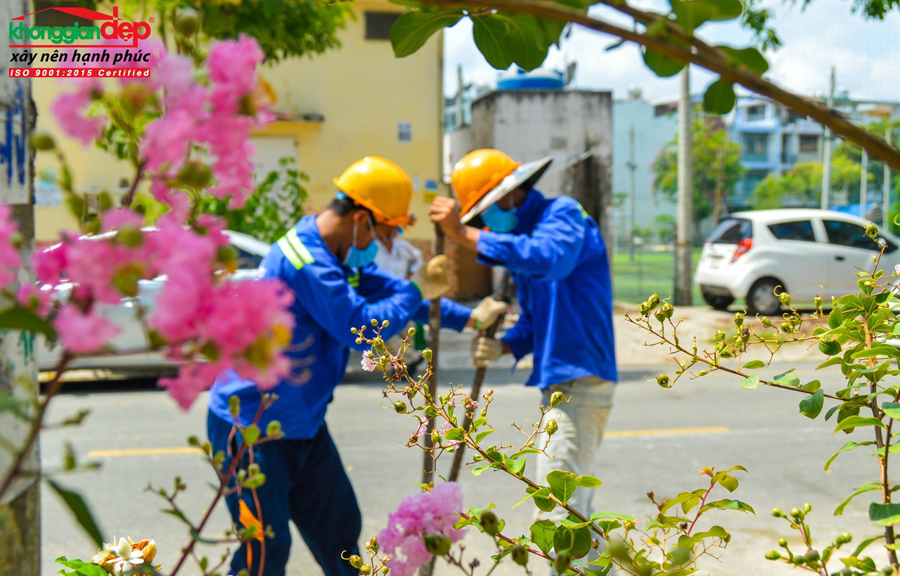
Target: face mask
499,220
356,257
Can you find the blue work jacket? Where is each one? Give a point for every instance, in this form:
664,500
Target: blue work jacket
330,299
558,260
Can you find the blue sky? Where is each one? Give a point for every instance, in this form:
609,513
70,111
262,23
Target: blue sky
865,53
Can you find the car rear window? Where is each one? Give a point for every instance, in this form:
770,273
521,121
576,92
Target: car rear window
800,230
731,231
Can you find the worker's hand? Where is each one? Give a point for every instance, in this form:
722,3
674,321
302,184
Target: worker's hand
487,313
485,350
434,278
445,213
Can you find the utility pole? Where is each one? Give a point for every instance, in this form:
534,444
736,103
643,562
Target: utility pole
20,507
685,233
719,198
864,185
459,97
631,168
886,194
826,160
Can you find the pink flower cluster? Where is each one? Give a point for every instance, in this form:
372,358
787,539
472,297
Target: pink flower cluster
434,512
9,256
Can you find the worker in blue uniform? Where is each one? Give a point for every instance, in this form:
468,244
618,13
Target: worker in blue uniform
560,266
327,260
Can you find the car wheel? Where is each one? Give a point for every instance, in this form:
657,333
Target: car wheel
762,297
718,301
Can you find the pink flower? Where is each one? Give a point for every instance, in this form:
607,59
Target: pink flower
192,379
83,333
368,362
71,114
50,264
9,256
166,140
421,429
32,297
434,513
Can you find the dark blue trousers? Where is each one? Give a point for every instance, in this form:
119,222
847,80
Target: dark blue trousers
305,482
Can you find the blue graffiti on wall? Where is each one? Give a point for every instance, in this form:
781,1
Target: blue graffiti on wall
12,141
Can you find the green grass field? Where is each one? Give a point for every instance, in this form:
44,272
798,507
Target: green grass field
634,280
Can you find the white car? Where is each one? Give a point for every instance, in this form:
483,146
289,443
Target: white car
130,353
807,252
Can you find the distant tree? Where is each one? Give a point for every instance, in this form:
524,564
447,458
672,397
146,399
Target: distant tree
802,185
716,164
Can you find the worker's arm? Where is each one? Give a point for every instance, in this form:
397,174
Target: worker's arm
337,307
550,252
376,283
519,340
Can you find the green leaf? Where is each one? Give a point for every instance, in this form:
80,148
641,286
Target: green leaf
413,28
865,544
490,32
751,382
80,567
730,483
812,386
869,487
755,61
787,379
879,350
719,97
525,41
18,318
251,434
614,515
884,514
891,409
483,434
79,509
562,484
835,318
829,347
516,466
588,482
542,499
542,533
455,434
532,493
844,448
728,505
753,365
714,532
858,422
811,406
476,471
575,541
691,14
662,66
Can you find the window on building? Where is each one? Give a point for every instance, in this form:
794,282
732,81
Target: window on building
755,144
404,131
800,230
853,235
757,112
809,144
378,25
792,117
51,18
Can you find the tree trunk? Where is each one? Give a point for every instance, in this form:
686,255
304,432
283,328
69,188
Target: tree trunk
20,544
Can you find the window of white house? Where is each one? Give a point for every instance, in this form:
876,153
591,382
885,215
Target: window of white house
404,131
757,112
809,143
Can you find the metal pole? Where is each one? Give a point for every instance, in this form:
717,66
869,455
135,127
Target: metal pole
685,195
826,160
20,530
886,195
864,185
502,294
631,168
434,333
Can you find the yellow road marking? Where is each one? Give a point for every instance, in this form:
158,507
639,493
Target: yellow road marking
187,450
666,432
176,451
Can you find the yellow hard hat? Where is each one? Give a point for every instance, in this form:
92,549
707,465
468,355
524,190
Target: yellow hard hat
477,173
381,186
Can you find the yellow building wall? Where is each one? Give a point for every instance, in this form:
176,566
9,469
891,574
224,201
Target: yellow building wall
361,90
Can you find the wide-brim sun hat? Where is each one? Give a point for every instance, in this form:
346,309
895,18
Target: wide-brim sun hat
525,176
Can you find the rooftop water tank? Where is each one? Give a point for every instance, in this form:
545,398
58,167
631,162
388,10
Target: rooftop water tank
539,79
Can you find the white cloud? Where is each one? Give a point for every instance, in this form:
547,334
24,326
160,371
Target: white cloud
865,53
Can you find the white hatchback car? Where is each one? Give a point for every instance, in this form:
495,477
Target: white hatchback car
807,252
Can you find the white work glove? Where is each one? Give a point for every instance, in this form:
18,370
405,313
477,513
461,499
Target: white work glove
485,350
434,278
487,313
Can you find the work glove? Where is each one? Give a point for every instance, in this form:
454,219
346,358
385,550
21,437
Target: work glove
433,279
487,313
485,350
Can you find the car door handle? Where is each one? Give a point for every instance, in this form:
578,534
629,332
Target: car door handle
839,258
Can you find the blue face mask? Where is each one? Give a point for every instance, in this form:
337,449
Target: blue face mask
359,257
499,220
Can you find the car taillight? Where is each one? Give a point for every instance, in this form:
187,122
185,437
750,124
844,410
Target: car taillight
742,248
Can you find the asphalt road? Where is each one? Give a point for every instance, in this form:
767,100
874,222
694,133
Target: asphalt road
658,440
